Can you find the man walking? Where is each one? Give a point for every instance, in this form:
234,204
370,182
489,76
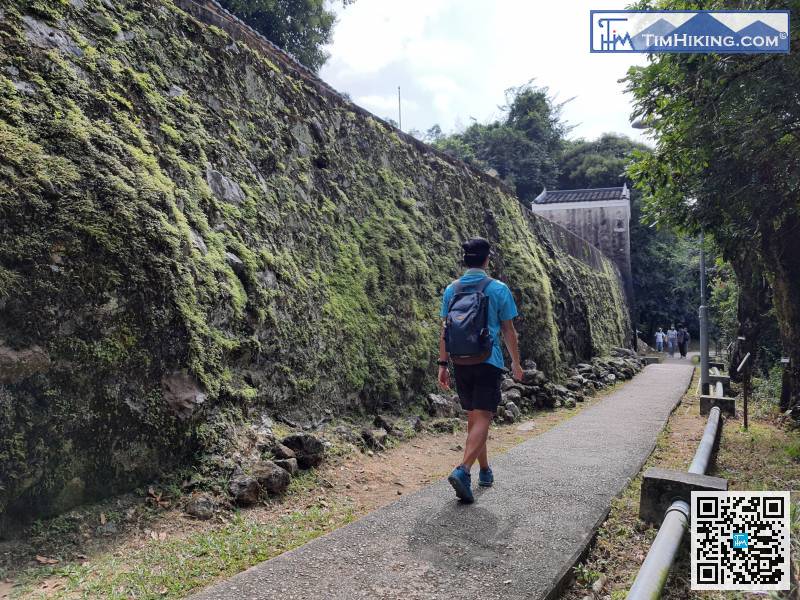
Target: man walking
476,309
683,341
672,340
680,339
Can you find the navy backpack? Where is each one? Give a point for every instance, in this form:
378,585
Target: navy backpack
466,334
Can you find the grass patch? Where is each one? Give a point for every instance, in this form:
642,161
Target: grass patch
174,567
793,450
765,457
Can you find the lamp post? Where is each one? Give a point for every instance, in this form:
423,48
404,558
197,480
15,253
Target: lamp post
704,385
703,310
399,111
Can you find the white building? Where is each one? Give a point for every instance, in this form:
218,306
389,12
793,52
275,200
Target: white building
601,216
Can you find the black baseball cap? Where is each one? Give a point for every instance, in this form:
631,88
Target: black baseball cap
477,249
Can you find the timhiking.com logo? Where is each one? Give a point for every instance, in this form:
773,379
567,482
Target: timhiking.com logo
724,32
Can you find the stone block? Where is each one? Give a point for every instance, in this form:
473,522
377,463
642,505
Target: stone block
726,405
661,487
650,360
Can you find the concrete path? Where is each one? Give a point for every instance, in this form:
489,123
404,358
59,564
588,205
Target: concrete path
519,539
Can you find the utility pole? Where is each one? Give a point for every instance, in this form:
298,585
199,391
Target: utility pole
704,385
399,111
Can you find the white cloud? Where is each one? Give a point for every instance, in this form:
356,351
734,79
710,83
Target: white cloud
384,104
371,34
439,83
454,59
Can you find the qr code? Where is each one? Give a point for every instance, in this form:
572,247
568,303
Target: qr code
740,541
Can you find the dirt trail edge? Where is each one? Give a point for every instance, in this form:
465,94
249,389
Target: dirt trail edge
519,540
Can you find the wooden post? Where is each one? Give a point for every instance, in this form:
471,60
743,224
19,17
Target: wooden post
746,390
745,381
785,384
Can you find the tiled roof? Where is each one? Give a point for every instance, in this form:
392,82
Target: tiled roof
590,195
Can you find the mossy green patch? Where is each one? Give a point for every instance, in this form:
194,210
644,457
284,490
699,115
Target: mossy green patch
175,202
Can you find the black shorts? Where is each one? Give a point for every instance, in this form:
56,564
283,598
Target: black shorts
478,386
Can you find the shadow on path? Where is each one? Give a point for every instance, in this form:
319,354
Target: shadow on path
519,539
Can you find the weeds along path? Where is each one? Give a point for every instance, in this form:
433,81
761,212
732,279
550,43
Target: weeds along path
163,553
521,537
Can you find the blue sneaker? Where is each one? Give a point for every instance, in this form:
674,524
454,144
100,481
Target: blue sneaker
462,484
486,477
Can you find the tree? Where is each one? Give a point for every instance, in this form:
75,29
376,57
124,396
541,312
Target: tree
598,163
723,303
728,136
301,27
665,270
523,147
434,134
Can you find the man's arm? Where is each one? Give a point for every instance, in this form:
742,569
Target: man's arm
444,374
512,343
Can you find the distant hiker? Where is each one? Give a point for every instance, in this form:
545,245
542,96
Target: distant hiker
672,340
683,341
659,340
476,308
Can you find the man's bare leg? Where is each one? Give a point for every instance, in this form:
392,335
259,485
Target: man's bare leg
483,457
477,433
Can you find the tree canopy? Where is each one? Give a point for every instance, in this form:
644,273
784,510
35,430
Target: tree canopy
597,163
523,147
727,161
301,27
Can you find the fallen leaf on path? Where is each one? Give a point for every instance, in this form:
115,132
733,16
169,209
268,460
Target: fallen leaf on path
45,560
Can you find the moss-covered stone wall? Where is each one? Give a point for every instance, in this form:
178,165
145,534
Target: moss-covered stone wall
187,224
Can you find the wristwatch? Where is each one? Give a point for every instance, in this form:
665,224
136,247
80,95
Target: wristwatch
442,363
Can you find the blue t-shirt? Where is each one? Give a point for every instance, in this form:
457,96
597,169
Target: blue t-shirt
501,308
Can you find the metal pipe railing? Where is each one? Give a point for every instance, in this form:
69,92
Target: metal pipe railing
719,389
703,455
652,576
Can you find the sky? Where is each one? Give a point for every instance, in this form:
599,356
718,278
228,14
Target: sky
454,59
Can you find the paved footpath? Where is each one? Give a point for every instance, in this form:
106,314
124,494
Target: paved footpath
518,540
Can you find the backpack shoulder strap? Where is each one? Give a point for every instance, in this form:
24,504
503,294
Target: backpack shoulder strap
483,284
480,286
